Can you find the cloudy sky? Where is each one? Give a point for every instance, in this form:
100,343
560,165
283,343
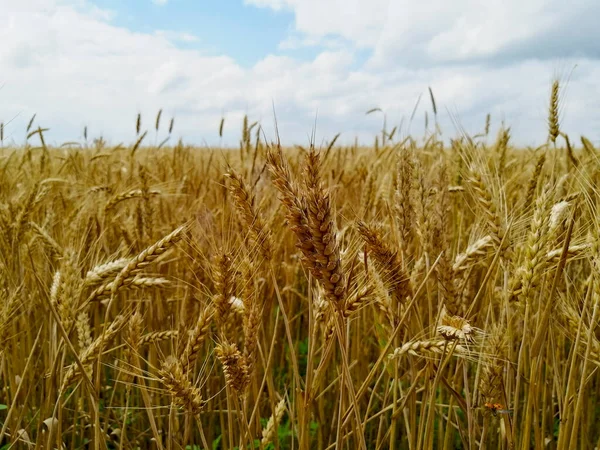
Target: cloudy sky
100,62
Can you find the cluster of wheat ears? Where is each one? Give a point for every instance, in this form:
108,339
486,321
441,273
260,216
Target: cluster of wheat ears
415,294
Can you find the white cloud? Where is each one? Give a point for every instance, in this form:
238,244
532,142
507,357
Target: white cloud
160,2
67,62
435,31
295,42
176,36
359,21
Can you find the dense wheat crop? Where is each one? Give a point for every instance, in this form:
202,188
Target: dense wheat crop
414,294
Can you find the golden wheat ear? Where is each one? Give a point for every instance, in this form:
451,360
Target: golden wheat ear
182,391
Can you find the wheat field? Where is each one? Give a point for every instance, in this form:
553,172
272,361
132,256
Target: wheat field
413,294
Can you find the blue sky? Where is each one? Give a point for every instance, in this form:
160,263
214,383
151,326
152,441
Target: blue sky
98,63
245,32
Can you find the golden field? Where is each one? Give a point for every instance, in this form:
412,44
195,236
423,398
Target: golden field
411,295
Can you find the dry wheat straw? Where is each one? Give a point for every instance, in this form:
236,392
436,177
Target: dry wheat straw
88,355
